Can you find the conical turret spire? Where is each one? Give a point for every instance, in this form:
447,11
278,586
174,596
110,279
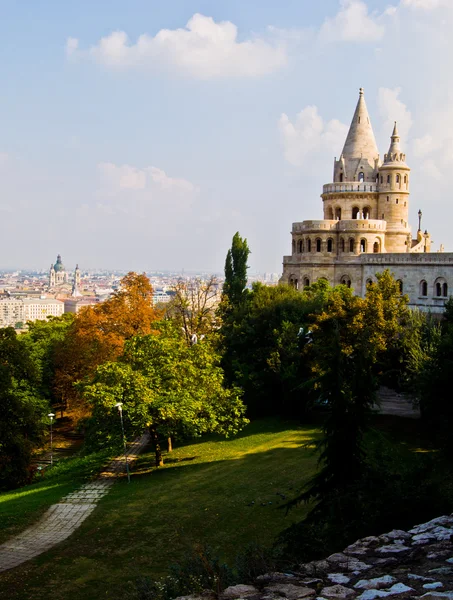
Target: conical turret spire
360,141
394,154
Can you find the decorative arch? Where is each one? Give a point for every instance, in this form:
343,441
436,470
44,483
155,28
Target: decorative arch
423,288
293,282
355,212
306,281
377,246
338,213
330,245
346,280
363,245
300,246
309,245
351,244
440,288
330,213
318,244
366,212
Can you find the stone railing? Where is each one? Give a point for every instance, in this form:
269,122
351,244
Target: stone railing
350,186
341,225
438,258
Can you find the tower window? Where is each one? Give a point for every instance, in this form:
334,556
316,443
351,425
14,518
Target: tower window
306,282
399,283
388,178
376,247
397,179
444,290
361,176
342,244
329,245
318,245
355,212
341,177
396,201
382,179
351,245
388,198
423,288
405,179
362,245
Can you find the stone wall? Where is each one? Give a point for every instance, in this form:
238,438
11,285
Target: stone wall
397,565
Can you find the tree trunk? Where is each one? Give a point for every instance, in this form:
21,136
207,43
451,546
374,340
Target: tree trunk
169,444
156,446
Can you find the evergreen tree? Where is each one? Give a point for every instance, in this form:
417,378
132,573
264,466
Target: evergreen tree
234,288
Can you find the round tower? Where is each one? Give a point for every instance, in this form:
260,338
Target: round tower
393,202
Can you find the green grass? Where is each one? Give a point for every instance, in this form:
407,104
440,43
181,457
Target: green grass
221,492
22,507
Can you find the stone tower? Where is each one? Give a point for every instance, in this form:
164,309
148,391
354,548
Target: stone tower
393,204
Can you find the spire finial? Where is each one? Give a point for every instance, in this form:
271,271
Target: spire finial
361,91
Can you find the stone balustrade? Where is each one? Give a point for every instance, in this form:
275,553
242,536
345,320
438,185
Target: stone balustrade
350,186
340,225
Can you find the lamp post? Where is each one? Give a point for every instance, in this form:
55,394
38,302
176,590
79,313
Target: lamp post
51,416
119,406
420,220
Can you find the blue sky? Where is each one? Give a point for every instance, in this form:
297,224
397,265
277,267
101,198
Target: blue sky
143,134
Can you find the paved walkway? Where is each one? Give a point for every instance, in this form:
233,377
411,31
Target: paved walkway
62,519
398,405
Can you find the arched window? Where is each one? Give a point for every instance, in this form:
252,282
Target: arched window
330,213
366,212
338,213
329,245
306,282
376,247
438,289
318,245
342,244
382,179
300,246
341,177
309,245
369,282
444,290
388,178
423,288
361,176
399,283
355,212
362,245
405,179
346,280
294,246
397,178
296,284
351,245
396,201
303,245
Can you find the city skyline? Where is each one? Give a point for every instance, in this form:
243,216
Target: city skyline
143,137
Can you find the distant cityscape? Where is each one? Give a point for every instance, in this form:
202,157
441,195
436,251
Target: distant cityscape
29,295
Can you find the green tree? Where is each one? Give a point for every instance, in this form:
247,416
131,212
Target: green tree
22,410
234,287
167,386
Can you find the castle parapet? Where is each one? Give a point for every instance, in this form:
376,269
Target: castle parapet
349,186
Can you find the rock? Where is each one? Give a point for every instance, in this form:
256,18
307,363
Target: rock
442,571
398,534
431,524
289,590
313,581
400,588
449,560
338,578
372,595
393,549
275,577
339,557
419,577
338,592
433,586
238,591
438,595
375,584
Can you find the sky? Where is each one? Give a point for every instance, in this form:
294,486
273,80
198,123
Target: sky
142,134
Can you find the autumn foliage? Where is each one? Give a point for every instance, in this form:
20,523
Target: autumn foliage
98,334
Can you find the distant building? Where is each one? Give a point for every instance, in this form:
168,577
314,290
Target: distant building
161,297
57,274
21,310
76,303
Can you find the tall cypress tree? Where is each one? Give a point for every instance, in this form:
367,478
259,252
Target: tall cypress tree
234,288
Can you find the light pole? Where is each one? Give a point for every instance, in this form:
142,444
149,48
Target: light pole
119,406
51,416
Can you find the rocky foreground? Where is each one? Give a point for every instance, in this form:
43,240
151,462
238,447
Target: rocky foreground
400,564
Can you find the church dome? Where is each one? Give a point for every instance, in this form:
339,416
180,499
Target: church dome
59,265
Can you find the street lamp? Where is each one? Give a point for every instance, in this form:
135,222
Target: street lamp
119,406
51,416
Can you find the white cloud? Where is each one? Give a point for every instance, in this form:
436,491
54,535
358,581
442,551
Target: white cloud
435,149
308,136
203,49
3,158
118,178
425,4
392,109
72,45
122,177
352,23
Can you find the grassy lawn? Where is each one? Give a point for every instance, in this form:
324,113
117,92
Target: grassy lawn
20,508
225,493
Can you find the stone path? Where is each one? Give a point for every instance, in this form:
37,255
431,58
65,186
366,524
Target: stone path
62,519
393,403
